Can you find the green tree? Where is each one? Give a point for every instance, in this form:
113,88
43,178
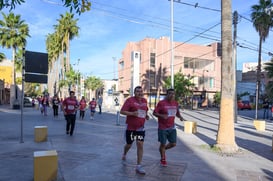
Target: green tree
58,48
13,34
2,56
32,89
19,60
269,87
71,79
53,47
79,6
217,99
183,85
67,29
93,83
262,22
226,134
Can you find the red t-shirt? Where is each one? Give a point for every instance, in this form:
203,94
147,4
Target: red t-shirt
92,105
166,107
132,104
70,105
82,105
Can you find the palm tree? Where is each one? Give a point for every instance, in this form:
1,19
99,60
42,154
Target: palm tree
13,34
262,21
53,46
226,134
93,83
58,47
71,79
67,29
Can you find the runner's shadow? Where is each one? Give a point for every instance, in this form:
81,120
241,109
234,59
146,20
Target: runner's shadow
268,173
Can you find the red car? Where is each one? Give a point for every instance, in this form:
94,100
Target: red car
243,105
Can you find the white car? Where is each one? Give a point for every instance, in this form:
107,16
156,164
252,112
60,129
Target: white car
27,102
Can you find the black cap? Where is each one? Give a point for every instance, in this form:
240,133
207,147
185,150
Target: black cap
71,92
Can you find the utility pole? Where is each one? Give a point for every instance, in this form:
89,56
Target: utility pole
235,22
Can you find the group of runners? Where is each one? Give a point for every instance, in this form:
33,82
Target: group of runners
70,106
135,108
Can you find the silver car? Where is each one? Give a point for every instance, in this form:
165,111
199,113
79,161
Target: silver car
27,102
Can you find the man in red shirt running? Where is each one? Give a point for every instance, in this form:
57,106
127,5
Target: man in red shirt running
165,111
135,108
92,106
70,106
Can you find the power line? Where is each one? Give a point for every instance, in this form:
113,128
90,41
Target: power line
196,5
164,26
156,24
143,21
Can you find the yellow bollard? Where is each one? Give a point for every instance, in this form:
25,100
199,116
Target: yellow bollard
259,125
40,133
45,165
190,127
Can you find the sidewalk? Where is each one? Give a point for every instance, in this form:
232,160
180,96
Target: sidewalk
94,151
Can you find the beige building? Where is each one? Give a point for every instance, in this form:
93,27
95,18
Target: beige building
148,63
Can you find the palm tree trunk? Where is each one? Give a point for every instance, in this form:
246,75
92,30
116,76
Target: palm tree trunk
14,94
68,52
62,59
13,67
226,134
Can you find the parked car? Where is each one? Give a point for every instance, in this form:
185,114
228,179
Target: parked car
243,105
27,102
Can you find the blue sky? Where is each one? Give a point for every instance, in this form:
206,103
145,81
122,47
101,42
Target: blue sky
106,29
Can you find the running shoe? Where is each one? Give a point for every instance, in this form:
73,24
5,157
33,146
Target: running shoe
140,170
163,163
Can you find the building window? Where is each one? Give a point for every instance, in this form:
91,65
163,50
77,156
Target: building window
152,79
206,82
152,59
211,82
197,63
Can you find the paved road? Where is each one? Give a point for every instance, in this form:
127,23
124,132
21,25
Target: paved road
94,151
